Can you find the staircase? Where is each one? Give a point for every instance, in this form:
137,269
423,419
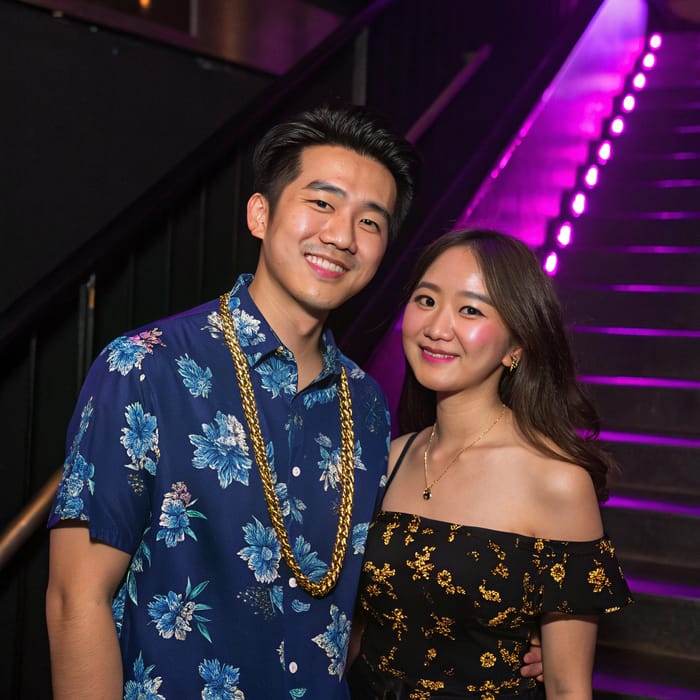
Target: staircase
630,284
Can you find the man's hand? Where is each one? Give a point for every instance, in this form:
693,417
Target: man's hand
532,660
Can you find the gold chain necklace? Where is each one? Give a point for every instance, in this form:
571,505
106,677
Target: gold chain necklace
427,492
326,584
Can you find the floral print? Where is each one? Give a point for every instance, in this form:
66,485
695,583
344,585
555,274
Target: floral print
173,613
223,448
196,379
159,465
143,687
176,513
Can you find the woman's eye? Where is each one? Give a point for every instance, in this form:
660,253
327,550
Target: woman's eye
424,300
470,311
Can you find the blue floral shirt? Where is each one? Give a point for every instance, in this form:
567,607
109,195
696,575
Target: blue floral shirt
160,465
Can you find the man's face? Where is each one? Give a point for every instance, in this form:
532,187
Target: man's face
328,233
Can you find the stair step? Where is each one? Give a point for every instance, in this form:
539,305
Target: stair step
641,527
621,305
645,403
646,168
649,576
678,195
636,352
640,139
654,625
655,463
621,675
676,265
638,228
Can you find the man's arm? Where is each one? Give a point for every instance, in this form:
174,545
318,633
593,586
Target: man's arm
83,577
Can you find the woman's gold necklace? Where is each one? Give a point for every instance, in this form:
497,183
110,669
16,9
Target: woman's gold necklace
428,490
326,584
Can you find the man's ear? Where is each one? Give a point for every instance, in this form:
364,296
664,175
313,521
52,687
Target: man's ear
258,213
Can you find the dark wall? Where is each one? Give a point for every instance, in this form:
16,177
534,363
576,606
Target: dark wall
90,119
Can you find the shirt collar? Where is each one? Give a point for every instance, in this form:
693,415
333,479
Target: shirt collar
257,339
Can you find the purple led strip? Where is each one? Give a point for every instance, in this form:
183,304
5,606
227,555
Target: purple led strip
657,382
674,590
655,506
606,681
651,288
660,332
645,439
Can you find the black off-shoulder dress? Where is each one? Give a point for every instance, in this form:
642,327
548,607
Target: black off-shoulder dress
449,609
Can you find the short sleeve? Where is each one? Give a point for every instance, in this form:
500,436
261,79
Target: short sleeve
582,578
112,447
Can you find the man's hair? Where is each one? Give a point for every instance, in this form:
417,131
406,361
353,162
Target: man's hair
277,157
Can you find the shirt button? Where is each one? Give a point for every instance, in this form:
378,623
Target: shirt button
293,666
292,582
296,471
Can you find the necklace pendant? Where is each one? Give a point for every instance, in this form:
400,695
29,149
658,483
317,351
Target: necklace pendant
427,495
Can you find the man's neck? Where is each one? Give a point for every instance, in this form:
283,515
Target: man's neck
299,331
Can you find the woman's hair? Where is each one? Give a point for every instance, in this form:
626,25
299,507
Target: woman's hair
547,401
277,156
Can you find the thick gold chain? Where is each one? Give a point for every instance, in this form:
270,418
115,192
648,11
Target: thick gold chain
320,588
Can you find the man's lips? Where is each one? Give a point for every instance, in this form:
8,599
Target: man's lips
324,265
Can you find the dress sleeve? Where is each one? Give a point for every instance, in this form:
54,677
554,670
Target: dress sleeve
581,578
112,449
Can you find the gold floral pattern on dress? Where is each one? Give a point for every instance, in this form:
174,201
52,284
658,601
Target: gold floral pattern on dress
442,627
380,579
421,564
488,660
388,533
487,594
444,580
558,572
495,585
598,578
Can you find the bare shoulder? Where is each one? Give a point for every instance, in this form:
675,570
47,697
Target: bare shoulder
567,505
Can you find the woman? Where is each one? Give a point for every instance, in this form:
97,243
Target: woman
490,528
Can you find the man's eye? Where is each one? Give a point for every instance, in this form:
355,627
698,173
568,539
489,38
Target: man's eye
370,222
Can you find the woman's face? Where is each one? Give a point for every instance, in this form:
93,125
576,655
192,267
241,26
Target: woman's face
453,337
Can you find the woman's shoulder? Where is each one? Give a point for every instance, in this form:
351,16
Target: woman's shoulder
567,506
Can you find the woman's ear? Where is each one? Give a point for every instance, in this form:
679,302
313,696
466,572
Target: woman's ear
258,214
512,358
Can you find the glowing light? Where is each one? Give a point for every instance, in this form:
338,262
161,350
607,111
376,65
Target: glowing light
591,176
565,234
551,263
639,81
578,204
618,125
628,103
604,152
145,4
649,60
655,41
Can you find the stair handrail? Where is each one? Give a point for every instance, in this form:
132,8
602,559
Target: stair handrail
29,519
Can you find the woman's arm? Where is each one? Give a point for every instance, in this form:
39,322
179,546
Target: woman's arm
568,652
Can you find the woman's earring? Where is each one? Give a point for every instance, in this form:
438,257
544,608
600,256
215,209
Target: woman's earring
513,363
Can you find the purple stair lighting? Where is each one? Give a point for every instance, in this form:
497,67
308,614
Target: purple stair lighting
636,243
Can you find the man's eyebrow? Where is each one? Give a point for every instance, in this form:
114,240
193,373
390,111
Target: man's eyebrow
323,186
465,293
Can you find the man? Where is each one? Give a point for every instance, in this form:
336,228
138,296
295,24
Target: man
224,464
